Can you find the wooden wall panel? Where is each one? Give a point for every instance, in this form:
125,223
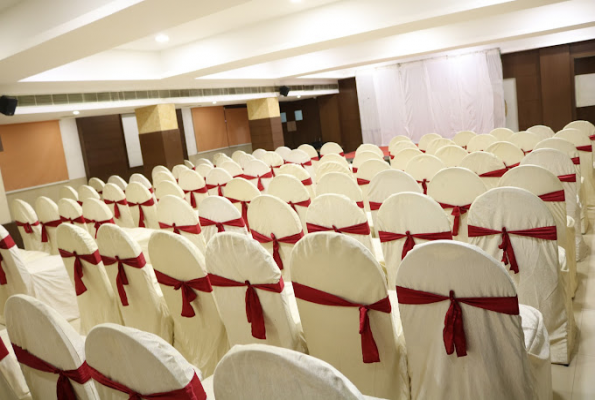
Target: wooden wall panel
351,128
330,120
238,126
209,128
32,155
308,129
556,86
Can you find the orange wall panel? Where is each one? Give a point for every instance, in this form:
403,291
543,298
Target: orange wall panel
209,128
33,155
238,126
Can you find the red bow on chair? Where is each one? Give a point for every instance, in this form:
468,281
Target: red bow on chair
424,185
27,226
509,167
369,348
244,209
254,312
194,229
97,224
292,239
358,229
203,189
508,256
239,223
457,211
308,163
45,225
454,330
259,184
122,202
93,258
374,206
5,244
218,186
305,203
141,214
78,220
410,242
187,289
498,173
121,278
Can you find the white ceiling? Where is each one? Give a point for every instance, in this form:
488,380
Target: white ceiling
73,46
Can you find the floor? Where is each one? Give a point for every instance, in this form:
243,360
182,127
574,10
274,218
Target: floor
577,381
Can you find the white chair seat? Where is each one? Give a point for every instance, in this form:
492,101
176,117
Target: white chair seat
31,255
538,349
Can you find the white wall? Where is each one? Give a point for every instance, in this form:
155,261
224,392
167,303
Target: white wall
72,148
189,131
130,126
585,90
512,111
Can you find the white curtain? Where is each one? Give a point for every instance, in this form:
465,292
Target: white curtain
443,95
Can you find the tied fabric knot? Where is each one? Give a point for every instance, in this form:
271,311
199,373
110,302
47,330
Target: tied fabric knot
141,214
78,220
409,238
93,258
291,239
178,229
457,211
424,185
203,189
27,226
453,334
259,184
508,256
64,389
217,186
358,229
221,225
304,203
244,209
5,244
122,202
121,278
44,231
97,224
187,288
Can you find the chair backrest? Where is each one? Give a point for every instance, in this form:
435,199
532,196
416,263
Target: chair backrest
455,189
199,333
118,181
217,214
283,151
114,197
189,164
585,152
130,360
258,371
462,138
18,279
258,153
362,157
160,168
289,189
165,188
329,167
426,139
502,134
369,147
338,183
402,157
584,126
259,173
335,212
39,334
142,206
301,158
344,273
543,131
401,145
241,192
237,156
176,215
334,157
233,168
12,381
140,178
272,322
480,142
272,159
97,213
525,140
565,147
421,219
277,227
96,298
488,166
387,183
220,158
49,218
330,148
28,225
437,144
366,172
423,168
508,152
194,187
177,171
203,169
300,173
97,184
451,155
398,138
67,192
445,267
310,150
161,176
140,301
87,192
203,161
72,213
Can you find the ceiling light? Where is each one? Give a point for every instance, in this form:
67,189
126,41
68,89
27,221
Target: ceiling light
162,38
214,102
299,96
76,112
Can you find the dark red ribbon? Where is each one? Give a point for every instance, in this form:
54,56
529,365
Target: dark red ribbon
27,226
93,258
410,242
221,225
292,239
354,170
576,160
218,186
362,182
567,178
308,163
315,158
259,184
457,211
424,185
307,182
194,229
244,209
369,348
254,312
78,220
453,334
203,189
121,278
141,214
44,230
508,257
587,148
122,202
187,289
64,389
358,229
97,224
558,195
509,167
374,206
526,152
498,173
3,350
5,244
305,203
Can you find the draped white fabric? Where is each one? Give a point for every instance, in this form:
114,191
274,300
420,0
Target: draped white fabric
443,95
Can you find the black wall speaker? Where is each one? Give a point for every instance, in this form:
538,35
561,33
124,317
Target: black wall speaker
8,105
284,90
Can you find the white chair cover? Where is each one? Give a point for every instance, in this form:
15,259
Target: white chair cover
168,188
96,213
437,144
238,258
426,139
283,151
233,168
220,158
289,189
258,371
39,330
203,161
538,282
280,225
486,165
146,309
462,138
139,197
189,164
199,333
301,158
219,210
456,187
331,148
333,157
142,362
451,155
260,171
241,192
142,180
502,134
237,156
161,176
28,225
312,153
402,157
342,267
49,216
525,140
72,213
543,131
329,167
87,192
272,160
194,187
67,192
585,152
510,153
365,173
362,157
493,339
203,169
176,215
480,142
258,153
399,138
12,381
369,147
96,299
584,126
160,168
338,183
98,185
177,171
423,168
112,196
118,181
401,145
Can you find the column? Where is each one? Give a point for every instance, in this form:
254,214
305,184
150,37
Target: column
264,118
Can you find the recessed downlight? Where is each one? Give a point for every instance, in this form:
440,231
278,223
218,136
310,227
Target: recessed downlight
214,102
76,112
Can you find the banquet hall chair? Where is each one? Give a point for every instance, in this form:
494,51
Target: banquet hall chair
115,199
204,169
273,160
189,164
331,148
194,187
543,131
365,173
237,156
177,170
177,216
369,147
437,144
68,192
160,168
423,168
302,159
241,192
118,181
301,174
339,183
290,190
49,218
585,126
161,176
502,134
402,157
525,140
98,185
140,178
165,188
400,145
334,157
480,142
399,138
258,153
508,152
462,138
425,141
234,169
28,225
451,155
330,167
489,167
283,151
217,214
86,192
220,158
259,173
96,213
585,151
311,152
203,161
72,213
141,203
12,381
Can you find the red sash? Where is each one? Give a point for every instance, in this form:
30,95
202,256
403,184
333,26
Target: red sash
218,186
3,350
508,167
5,244
424,185
244,209
194,229
307,182
576,160
220,225
192,391
358,229
121,278
78,220
369,349
587,148
97,224
567,178
454,330
292,239
305,203
64,389
93,258
315,158
308,163
27,226
558,195
342,154
457,211
141,214
187,288
526,152
203,189
374,206
254,311
410,242
508,257
122,202
498,173
44,230
259,184
354,170
362,182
